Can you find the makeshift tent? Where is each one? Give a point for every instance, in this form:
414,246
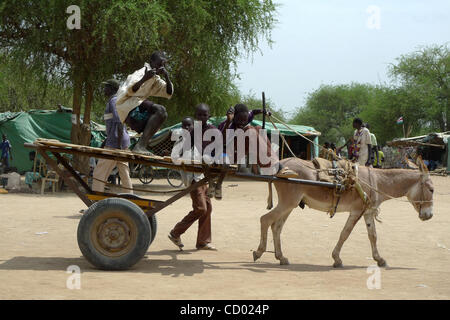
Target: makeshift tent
22,127
434,146
161,141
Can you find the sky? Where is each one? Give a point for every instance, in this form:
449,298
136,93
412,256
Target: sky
338,42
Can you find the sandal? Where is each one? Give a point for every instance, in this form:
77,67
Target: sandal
207,247
218,194
176,241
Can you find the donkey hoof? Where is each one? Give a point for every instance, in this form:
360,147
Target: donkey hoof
284,261
256,256
382,263
338,264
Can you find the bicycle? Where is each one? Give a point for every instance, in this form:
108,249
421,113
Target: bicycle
146,175
174,178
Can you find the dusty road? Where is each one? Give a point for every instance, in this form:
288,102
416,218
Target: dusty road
38,243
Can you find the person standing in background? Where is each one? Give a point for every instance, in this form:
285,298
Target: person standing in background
6,147
362,144
116,138
374,143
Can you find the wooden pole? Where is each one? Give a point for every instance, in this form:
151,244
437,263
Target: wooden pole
264,110
66,178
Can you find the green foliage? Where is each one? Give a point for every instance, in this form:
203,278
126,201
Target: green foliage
331,110
202,39
428,71
108,42
387,105
203,45
24,89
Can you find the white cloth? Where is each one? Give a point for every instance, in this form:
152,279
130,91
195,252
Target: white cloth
373,139
191,154
362,139
13,181
104,168
127,100
92,162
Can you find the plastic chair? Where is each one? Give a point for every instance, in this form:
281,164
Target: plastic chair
52,177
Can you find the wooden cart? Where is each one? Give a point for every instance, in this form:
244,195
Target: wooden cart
116,230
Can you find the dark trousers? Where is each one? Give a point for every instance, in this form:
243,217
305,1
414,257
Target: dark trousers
202,208
5,161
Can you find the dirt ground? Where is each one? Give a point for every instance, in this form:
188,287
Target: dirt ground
38,243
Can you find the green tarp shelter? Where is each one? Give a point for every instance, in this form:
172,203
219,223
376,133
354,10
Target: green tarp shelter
22,127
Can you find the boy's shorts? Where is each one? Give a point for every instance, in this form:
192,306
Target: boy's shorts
137,119
137,115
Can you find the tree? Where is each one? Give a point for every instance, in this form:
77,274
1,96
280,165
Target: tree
37,33
204,43
387,104
202,39
332,108
22,91
428,71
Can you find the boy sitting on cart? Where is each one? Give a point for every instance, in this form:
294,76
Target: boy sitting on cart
239,117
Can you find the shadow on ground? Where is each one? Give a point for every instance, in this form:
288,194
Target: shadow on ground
168,267
74,217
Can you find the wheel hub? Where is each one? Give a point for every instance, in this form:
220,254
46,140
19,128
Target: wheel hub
113,234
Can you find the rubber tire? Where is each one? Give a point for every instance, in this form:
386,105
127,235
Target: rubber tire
154,226
143,236
173,184
141,175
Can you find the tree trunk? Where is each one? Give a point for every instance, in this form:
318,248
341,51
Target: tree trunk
76,108
85,127
408,130
80,133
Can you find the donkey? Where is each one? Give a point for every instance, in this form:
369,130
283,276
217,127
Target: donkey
416,185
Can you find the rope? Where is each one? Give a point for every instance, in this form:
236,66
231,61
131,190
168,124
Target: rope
301,135
388,196
284,140
137,189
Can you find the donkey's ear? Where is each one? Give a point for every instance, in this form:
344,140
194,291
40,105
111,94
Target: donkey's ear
422,166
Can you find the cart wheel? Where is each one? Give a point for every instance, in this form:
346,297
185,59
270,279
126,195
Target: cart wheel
154,226
114,234
174,178
145,174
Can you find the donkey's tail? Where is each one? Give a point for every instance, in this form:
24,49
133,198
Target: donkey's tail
270,197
